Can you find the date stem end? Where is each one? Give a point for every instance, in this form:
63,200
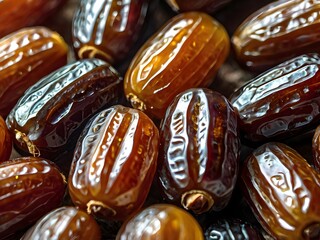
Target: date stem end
197,201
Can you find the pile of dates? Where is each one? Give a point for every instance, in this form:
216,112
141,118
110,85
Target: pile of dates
162,119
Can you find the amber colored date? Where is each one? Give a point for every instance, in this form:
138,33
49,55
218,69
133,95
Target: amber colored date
26,56
282,102
200,147
114,163
107,29
208,6
186,52
52,113
277,32
159,222
64,223
316,148
283,191
5,141
29,188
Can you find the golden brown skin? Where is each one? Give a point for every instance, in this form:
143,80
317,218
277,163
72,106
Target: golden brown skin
186,52
277,32
5,141
283,191
161,222
114,163
316,148
208,6
65,223
26,56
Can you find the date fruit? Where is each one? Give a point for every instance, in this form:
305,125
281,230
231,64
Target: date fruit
64,223
282,102
316,148
283,191
26,56
107,29
5,141
185,53
209,6
199,153
114,163
29,188
161,222
277,32
52,113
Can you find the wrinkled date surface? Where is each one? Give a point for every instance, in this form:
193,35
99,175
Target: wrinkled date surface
107,29
208,6
64,223
165,222
26,56
5,141
316,148
277,32
114,163
29,188
283,191
198,161
186,52
281,102
51,113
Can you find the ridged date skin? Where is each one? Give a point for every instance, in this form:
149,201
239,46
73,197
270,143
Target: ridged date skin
107,29
64,223
29,188
282,102
200,147
5,141
53,111
283,191
185,53
20,13
114,163
230,229
26,56
316,148
167,222
208,6
277,32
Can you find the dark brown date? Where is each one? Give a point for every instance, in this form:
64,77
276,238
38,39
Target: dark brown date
114,163
282,102
198,164
208,6
51,113
26,56
316,148
5,141
283,191
277,32
64,223
107,29
29,188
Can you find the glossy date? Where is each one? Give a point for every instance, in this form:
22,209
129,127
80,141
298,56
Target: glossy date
316,148
283,191
5,141
208,6
114,163
200,147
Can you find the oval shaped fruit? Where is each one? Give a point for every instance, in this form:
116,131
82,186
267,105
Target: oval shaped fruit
283,191
282,102
5,141
26,56
161,222
277,32
208,6
199,153
29,188
114,163
64,223
186,52
51,113
316,148
107,29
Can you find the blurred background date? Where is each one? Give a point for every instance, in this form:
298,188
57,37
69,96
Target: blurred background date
208,6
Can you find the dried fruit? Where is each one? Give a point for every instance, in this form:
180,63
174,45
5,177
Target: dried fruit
316,148
208,6
186,52
5,141
114,163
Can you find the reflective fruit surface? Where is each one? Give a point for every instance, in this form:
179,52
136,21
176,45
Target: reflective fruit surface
208,6
316,148
200,147
26,56
5,141
114,163
283,191
161,222
186,52
53,112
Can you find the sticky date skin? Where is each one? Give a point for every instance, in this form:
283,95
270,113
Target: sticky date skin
316,148
5,141
114,163
277,32
107,29
208,6
29,188
199,148
53,112
282,102
275,176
